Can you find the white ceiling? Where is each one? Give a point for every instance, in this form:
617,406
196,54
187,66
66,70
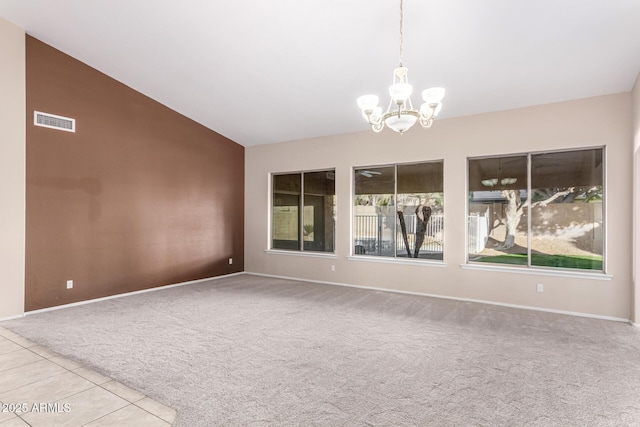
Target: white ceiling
260,71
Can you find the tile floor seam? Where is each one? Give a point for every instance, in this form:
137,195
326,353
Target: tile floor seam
72,370
16,415
45,350
20,340
22,346
23,366
62,401
67,360
67,397
76,393
35,382
155,415
124,385
61,373
24,421
105,415
92,371
120,409
64,398
20,349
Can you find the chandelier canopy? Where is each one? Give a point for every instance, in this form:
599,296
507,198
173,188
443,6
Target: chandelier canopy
400,114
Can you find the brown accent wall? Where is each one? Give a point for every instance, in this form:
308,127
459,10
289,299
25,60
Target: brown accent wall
139,197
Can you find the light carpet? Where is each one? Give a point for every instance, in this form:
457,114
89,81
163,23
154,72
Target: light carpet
250,350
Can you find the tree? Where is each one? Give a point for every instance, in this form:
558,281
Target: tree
515,210
423,213
403,228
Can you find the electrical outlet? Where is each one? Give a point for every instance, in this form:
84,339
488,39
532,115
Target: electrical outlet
333,267
540,287
69,284
230,261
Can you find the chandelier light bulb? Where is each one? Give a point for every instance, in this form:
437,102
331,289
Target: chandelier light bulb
367,102
376,115
400,92
430,110
400,124
433,95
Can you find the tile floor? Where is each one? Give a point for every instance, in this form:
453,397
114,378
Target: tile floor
40,388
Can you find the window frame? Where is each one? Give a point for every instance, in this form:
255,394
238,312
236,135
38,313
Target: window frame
395,259
300,251
529,268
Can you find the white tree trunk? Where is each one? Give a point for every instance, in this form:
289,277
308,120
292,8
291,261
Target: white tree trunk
514,212
515,209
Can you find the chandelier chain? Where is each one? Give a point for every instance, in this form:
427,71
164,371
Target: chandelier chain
401,15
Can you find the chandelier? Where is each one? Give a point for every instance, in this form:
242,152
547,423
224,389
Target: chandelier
400,114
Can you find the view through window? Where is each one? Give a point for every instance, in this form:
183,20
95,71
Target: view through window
308,227
398,211
538,209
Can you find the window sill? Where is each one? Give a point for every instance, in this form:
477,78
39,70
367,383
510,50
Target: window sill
596,275
301,253
386,260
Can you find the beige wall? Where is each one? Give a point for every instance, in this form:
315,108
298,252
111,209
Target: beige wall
12,166
599,121
636,198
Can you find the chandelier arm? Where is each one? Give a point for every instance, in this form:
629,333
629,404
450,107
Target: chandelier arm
426,123
374,120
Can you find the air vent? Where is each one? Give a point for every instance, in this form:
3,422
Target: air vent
54,122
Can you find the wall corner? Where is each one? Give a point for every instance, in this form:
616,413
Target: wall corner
13,166
635,110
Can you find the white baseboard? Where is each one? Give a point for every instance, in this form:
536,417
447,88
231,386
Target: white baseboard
523,307
142,291
17,316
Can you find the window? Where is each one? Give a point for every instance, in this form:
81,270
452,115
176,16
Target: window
309,226
398,211
538,209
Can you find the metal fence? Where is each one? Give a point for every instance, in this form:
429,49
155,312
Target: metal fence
374,234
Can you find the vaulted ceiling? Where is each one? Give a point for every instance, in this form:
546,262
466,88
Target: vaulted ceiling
261,71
